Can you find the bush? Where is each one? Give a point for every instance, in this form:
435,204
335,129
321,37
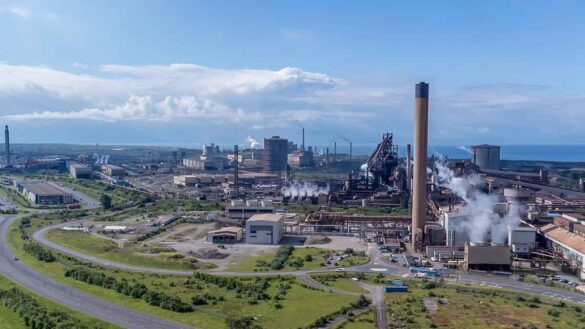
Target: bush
282,255
39,252
134,290
553,312
34,314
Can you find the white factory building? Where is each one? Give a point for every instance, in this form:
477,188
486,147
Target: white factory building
43,193
264,229
240,209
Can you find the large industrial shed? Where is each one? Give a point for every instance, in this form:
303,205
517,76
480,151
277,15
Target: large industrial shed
225,235
264,229
43,193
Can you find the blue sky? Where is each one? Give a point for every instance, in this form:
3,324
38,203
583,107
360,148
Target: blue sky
188,72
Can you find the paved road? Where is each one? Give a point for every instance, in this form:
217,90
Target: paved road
377,264
74,299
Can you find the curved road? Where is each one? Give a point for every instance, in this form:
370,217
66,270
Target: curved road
27,277
131,319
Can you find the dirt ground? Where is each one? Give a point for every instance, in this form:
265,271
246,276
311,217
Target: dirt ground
190,239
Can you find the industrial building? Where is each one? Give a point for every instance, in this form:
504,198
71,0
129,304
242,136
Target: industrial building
225,235
264,229
78,170
199,180
486,257
522,240
567,245
206,163
165,220
240,209
112,170
42,193
486,156
455,234
275,154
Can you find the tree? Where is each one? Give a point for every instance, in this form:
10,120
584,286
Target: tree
106,201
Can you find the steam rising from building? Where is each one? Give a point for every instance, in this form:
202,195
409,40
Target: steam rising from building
100,159
299,190
253,142
478,216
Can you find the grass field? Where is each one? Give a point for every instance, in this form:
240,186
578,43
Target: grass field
341,281
107,249
464,306
11,320
293,311
262,262
362,321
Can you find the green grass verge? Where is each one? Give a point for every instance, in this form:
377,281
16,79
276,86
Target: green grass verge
261,263
11,320
294,310
342,281
109,250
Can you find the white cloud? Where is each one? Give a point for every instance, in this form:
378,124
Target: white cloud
20,12
276,99
79,65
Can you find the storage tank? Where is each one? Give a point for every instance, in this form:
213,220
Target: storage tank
275,154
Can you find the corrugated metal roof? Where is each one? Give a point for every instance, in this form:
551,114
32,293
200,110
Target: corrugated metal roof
562,236
43,189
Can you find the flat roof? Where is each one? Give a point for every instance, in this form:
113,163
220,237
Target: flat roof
228,229
266,218
484,145
43,189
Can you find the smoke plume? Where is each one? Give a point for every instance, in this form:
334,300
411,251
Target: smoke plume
253,142
480,221
297,189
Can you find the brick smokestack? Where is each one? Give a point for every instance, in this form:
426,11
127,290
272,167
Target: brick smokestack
419,184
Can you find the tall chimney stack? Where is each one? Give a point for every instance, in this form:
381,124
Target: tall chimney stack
303,146
236,172
419,188
334,151
408,167
7,145
350,150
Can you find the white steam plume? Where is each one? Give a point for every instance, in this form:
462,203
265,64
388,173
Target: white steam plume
481,222
253,142
298,189
465,148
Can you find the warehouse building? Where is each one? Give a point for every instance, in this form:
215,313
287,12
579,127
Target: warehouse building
567,245
112,170
225,235
487,257
264,229
77,170
240,209
42,193
199,180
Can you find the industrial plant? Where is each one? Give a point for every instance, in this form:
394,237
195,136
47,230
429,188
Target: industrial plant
468,214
